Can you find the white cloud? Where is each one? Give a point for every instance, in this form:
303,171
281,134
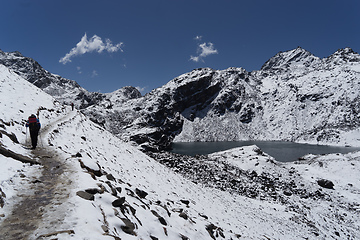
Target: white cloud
94,73
93,44
79,70
198,38
141,89
204,50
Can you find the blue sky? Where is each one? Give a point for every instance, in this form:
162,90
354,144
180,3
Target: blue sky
107,44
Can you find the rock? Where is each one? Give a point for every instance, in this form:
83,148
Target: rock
2,196
183,215
204,216
186,202
118,202
128,227
183,237
85,195
93,191
110,177
105,228
162,221
287,193
326,183
141,193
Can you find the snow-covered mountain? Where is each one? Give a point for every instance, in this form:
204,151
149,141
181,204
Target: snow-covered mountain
65,90
295,96
82,182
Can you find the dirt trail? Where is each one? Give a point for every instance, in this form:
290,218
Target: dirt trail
50,190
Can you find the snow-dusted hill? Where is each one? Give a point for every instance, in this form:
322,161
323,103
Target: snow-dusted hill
295,96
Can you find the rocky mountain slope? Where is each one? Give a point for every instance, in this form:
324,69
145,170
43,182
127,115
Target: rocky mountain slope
108,189
63,89
295,96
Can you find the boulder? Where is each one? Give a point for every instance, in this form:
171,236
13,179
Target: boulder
141,193
118,202
86,195
326,183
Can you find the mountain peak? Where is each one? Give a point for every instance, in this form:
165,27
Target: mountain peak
283,60
344,55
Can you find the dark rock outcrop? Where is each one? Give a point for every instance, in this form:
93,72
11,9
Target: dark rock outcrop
326,183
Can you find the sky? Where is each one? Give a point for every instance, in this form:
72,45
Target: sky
108,44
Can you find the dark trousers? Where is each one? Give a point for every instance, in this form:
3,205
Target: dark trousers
34,137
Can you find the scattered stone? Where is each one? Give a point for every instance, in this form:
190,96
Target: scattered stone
153,238
141,193
129,227
105,228
184,215
78,155
16,156
326,183
83,138
287,193
119,189
155,213
186,202
162,221
184,237
92,172
118,202
2,215
212,229
110,177
204,216
85,195
93,191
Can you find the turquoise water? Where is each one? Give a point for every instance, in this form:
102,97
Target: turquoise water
281,151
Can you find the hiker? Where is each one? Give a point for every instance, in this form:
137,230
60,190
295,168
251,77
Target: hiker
34,125
72,106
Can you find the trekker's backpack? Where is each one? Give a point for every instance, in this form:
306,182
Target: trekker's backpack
33,124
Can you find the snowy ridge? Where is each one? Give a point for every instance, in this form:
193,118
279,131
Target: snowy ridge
65,90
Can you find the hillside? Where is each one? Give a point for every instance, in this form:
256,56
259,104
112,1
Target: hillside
107,189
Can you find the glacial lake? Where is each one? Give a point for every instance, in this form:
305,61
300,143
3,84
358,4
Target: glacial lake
281,151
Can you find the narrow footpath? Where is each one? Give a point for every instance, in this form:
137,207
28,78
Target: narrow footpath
50,190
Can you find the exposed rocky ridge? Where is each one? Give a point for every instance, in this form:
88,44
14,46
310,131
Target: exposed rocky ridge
63,89
296,96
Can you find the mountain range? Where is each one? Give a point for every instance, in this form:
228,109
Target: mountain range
82,182
295,96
